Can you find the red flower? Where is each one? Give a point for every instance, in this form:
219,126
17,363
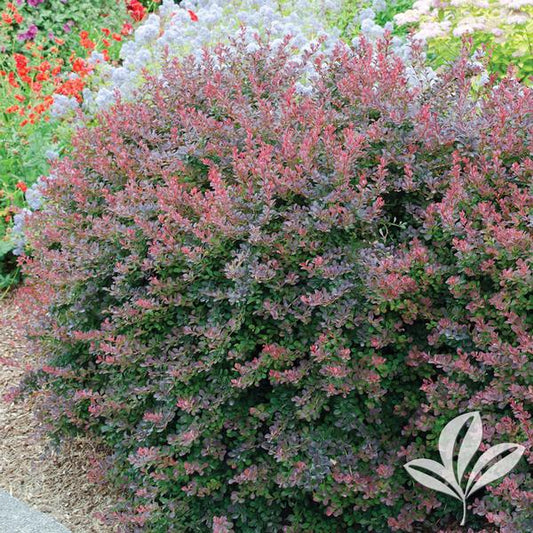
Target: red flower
20,60
136,10
127,28
193,15
78,65
42,76
12,81
21,186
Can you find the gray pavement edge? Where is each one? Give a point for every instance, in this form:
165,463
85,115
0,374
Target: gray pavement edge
18,517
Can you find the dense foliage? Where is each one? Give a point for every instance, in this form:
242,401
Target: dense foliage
180,30
63,57
267,299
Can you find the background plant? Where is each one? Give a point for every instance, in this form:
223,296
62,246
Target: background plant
502,26
48,20
352,13
267,300
39,68
179,30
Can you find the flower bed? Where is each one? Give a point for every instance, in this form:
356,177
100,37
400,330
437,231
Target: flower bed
504,27
45,58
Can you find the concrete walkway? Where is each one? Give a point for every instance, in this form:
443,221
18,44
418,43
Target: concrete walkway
17,517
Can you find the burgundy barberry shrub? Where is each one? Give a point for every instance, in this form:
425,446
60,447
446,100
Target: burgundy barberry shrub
267,300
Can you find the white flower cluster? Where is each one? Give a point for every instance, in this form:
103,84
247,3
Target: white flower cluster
63,105
172,31
420,8
463,17
17,231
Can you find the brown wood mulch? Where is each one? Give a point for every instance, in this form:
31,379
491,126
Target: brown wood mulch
30,469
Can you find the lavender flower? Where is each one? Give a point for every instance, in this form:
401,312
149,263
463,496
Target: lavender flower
29,34
67,27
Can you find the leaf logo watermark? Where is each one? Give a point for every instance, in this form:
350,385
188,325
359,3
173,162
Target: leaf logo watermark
447,477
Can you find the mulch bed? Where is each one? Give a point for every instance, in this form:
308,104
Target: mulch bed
52,481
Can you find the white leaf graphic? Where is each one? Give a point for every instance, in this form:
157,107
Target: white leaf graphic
470,445
432,482
498,469
451,478
448,440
